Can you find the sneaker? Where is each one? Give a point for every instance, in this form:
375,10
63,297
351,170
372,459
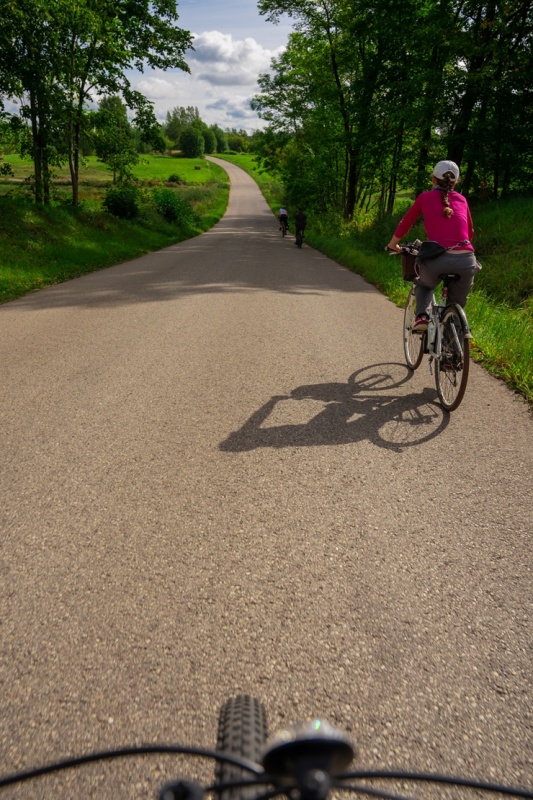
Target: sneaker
421,323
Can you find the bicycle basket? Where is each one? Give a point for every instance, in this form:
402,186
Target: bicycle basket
408,266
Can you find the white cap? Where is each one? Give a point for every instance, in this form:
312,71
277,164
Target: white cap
446,166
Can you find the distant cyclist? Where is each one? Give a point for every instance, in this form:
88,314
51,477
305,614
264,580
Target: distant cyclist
300,221
448,222
283,217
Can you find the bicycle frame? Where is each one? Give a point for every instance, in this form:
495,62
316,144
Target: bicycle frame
434,346
445,341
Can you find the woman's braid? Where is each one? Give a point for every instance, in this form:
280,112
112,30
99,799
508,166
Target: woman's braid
446,183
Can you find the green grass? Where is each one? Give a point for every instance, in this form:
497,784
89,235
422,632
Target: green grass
41,246
95,174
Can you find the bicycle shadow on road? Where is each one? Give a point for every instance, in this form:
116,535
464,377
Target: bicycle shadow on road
367,407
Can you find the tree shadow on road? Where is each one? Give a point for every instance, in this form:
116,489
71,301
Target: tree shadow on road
369,406
224,260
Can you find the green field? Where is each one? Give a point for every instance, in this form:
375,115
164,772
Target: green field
95,174
41,246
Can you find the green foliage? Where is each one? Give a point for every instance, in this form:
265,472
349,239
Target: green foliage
174,178
7,169
171,206
210,141
55,54
221,138
122,201
114,140
356,115
238,141
192,143
178,120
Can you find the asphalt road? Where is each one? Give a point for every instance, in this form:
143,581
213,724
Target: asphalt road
218,477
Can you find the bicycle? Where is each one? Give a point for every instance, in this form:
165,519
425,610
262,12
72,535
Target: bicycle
304,762
284,226
446,341
299,237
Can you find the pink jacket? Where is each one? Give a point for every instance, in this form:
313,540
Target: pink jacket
447,231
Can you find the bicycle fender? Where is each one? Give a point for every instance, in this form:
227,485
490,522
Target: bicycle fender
464,320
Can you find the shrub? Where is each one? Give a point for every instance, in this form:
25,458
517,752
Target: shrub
174,178
171,206
7,169
121,201
192,143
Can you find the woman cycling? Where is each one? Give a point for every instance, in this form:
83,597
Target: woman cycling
447,220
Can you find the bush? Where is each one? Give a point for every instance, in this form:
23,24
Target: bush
192,143
121,201
7,169
171,206
174,178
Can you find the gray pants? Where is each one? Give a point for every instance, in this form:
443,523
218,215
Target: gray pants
462,264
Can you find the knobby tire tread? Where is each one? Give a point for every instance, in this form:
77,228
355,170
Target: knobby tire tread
242,732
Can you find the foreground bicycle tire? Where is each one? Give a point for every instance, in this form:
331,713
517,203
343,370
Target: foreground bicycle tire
242,732
451,370
413,343
304,761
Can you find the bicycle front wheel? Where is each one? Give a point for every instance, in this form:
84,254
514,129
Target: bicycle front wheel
451,369
242,732
413,343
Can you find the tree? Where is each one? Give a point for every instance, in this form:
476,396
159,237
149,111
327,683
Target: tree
114,138
222,139
354,113
180,118
57,53
192,143
237,140
210,140
29,61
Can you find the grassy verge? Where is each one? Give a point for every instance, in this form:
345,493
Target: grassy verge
41,246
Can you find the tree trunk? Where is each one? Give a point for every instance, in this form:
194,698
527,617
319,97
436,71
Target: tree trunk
37,150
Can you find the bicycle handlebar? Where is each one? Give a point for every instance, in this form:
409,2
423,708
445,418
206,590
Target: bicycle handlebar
305,761
408,248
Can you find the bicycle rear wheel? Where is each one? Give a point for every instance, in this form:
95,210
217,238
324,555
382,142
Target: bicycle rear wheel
242,732
451,370
413,343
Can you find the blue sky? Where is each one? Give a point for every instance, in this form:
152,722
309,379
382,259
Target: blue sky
233,44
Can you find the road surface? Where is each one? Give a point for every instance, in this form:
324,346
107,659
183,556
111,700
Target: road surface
218,477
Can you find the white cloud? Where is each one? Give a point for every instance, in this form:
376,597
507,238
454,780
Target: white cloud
222,82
